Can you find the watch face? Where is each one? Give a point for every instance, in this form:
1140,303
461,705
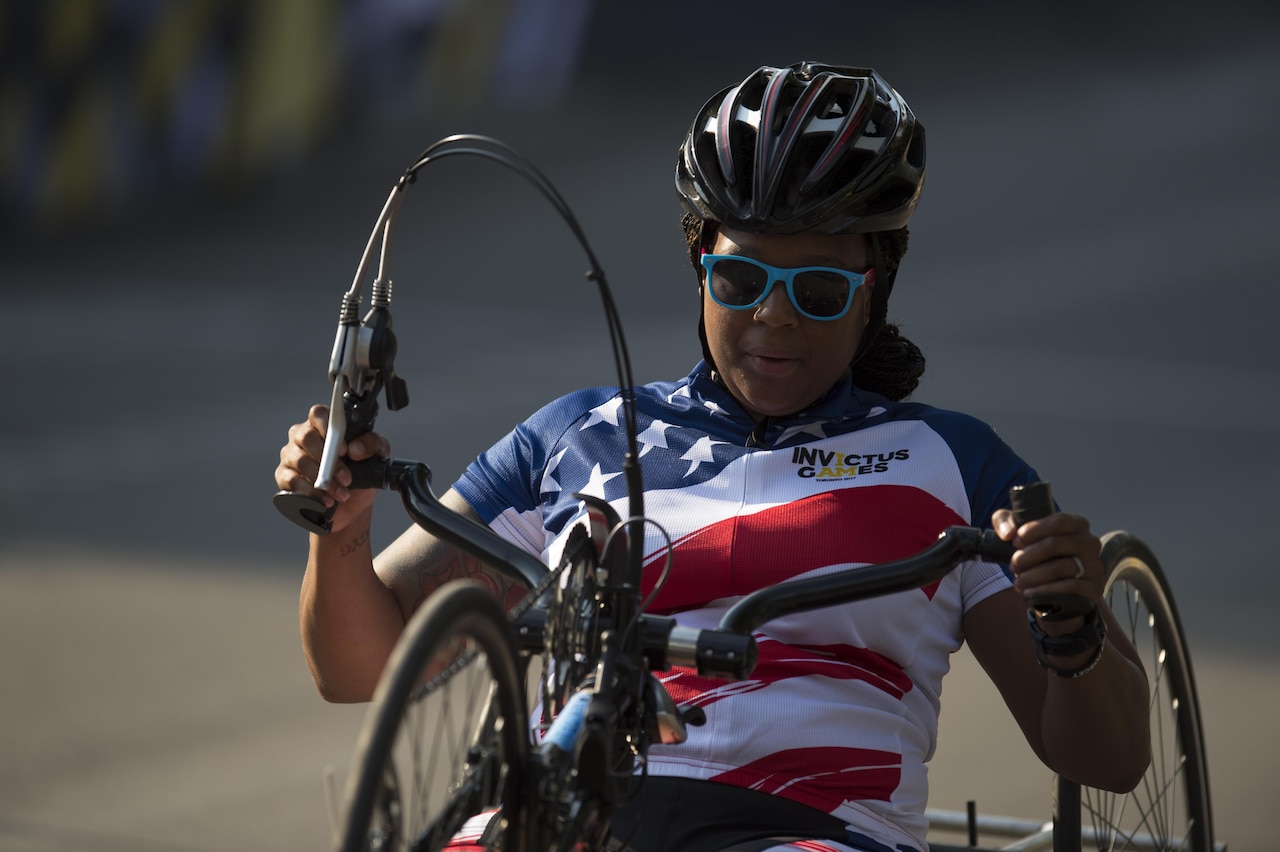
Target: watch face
1090,635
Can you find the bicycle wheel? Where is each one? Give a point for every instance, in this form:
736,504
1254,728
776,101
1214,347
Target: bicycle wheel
1170,808
447,735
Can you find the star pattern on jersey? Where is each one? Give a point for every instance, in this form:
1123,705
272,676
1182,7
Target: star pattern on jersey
816,429
700,453
654,436
549,483
681,392
606,412
596,482
676,451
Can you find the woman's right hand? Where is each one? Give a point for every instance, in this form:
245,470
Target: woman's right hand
300,465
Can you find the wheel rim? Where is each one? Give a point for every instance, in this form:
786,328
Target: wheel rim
445,740
456,773
1168,809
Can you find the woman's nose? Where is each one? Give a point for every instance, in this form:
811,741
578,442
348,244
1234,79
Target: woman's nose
776,309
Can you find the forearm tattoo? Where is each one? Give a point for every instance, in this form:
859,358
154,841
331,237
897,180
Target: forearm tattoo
355,544
454,564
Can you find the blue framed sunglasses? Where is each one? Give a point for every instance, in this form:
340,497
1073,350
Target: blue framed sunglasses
817,292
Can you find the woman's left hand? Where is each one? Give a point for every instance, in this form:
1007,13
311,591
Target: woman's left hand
1056,555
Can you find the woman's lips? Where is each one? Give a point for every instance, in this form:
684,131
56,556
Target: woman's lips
773,363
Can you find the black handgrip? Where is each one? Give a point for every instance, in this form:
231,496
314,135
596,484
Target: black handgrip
1029,503
308,511
369,473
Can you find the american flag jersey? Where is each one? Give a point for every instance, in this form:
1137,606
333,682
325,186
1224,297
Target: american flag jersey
841,712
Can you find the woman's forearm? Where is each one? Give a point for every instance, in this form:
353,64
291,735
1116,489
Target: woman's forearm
1096,728
349,620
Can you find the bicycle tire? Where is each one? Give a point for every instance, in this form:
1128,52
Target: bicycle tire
450,707
1170,807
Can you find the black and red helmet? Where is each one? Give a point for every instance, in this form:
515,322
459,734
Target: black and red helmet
810,147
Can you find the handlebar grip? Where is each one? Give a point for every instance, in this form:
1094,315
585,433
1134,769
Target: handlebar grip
309,513
369,473
1029,503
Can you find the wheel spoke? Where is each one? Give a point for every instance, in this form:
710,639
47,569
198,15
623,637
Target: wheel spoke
448,723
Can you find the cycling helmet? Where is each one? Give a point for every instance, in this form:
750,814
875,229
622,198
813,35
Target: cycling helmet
810,147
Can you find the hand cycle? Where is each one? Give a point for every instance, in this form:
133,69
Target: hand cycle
445,758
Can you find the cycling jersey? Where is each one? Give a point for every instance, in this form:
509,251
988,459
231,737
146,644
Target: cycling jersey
841,711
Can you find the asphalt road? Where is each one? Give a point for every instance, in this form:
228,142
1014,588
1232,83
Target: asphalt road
1092,271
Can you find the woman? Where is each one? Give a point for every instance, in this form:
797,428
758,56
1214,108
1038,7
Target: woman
788,451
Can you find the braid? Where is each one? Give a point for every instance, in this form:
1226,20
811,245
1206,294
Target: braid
692,227
891,365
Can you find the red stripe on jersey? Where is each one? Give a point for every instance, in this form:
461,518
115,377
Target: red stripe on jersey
778,661
472,832
814,846
736,556
823,778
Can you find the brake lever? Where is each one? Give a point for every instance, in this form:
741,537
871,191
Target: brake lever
362,364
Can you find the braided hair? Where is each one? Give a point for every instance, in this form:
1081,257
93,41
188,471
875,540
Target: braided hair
889,364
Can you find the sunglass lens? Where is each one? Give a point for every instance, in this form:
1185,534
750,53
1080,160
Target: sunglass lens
736,282
821,294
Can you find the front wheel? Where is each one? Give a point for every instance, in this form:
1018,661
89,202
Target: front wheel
1169,809
446,738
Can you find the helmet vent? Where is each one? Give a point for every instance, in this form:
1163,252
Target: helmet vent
881,122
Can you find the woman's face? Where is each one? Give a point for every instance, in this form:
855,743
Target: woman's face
774,360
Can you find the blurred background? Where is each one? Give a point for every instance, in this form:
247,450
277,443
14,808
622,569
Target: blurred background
186,187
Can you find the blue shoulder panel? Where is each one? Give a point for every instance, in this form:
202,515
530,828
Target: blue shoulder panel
987,464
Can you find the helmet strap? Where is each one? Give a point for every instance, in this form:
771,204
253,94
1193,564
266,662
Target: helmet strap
706,234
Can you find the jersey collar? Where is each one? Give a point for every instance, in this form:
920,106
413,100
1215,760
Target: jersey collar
843,401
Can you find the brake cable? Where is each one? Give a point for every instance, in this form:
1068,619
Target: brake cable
362,363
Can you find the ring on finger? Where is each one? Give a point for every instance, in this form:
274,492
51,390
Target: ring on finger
1079,567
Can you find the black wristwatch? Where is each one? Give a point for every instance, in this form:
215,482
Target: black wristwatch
1091,636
